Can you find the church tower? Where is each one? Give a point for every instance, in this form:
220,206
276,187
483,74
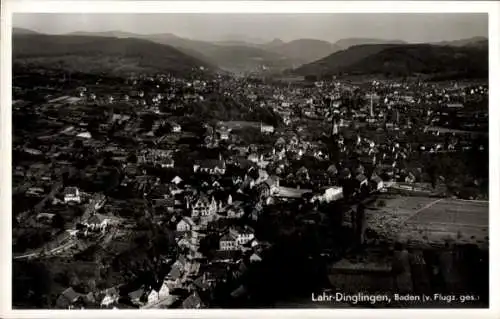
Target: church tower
335,126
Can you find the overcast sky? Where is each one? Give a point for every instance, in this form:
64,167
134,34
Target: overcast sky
411,27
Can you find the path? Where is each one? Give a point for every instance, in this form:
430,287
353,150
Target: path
421,209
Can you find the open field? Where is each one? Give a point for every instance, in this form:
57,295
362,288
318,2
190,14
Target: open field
290,192
454,220
239,124
430,220
447,130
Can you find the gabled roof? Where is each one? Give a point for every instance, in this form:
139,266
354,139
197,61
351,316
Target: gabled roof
112,292
240,291
203,198
156,286
174,273
212,163
201,283
332,168
345,172
255,257
176,180
97,218
242,230
188,220
70,294
136,293
361,177
193,301
228,237
376,179
222,255
182,260
71,191
272,180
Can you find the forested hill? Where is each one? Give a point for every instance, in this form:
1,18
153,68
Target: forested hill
89,54
405,59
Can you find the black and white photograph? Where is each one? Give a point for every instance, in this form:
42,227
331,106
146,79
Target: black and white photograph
169,160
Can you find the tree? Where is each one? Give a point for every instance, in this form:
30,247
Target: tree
132,158
78,144
58,222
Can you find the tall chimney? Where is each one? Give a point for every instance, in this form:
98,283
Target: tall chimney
371,105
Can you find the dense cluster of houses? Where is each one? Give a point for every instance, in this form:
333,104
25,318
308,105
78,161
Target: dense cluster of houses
217,195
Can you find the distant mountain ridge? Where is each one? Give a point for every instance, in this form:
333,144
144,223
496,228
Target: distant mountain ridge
23,31
95,54
227,56
302,50
343,44
402,59
302,55
474,41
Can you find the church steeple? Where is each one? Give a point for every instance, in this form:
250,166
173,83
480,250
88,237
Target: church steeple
335,126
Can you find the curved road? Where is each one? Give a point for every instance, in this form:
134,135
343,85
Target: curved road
97,200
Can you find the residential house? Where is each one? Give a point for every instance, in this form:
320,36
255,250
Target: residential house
273,183
185,224
193,302
256,211
455,105
190,240
89,301
174,277
166,202
361,180
377,182
201,283
193,255
35,192
242,235
266,129
235,210
239,292
45,217
224,134
214,167
137,297
331,193
254,158
168,163
177,180
410,178
68,298
262,177
203,207
98,221
228,242
85,135
159,292
239,269
184,243
255,258
227,257
176,128
345,173
176,190
72,195
194,267
111,296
